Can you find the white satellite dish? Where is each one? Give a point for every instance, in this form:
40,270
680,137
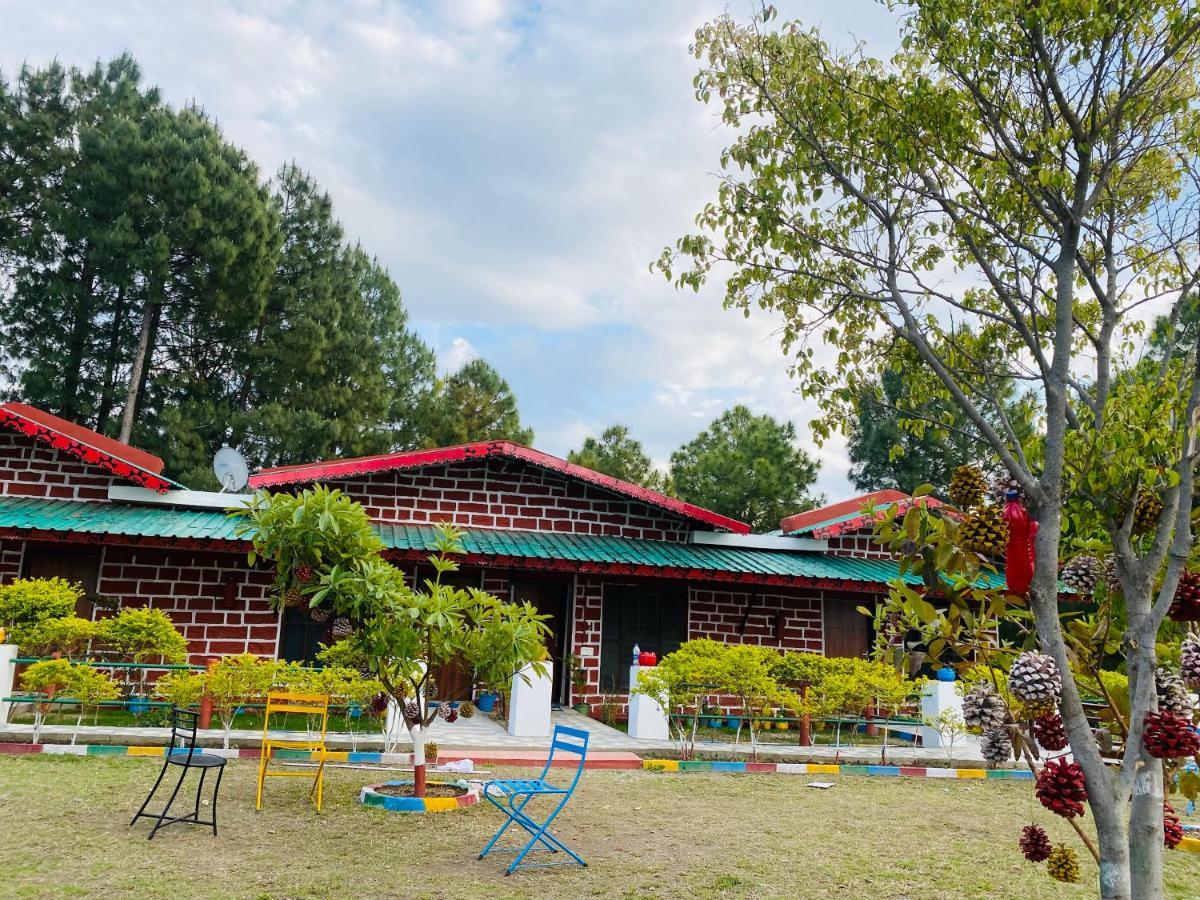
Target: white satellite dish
230,468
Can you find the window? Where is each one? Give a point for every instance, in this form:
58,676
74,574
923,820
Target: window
654,617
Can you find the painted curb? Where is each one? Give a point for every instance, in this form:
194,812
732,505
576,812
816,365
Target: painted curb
675,765
369,796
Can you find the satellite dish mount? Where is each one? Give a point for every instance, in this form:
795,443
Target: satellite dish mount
230,468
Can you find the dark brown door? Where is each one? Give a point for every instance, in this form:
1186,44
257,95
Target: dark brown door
452,680
78,565
847,631
550,597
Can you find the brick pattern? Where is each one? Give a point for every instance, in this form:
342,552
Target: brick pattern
587,607
218,602
11,554
720,614
504,494
29,468
859,544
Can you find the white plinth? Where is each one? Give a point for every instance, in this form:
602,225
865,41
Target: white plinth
8,652
937,697
529,704
647,719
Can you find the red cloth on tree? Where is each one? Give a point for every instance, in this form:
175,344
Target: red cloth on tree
1020,553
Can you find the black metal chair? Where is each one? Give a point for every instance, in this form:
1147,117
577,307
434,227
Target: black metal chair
183,754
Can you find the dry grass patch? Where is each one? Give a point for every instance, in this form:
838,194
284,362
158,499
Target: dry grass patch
644,834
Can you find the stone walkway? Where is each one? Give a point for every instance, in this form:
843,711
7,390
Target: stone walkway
481,732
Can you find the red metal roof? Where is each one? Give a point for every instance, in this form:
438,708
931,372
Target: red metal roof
852,514
96,449
414,459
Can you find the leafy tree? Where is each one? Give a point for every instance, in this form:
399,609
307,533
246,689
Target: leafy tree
747,467
70,635
1045,155
618,454
403,634
25,603
473,404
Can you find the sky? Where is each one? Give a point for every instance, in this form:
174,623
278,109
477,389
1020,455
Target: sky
517,167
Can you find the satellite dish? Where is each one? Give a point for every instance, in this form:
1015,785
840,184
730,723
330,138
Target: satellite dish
230,468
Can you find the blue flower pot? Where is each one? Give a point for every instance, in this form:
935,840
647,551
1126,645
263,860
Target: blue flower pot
485,702
945,674
138,705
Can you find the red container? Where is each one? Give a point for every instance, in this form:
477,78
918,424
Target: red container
646,658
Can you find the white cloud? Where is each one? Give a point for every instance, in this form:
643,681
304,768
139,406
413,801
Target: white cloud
515,166
458,355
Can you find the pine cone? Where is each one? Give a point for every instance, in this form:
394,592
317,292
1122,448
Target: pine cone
967,486
293,596
304,574
1063,864
1172,827
1111,581
995,746
984,531
1145,514
452,716
1035,846
1050,733
412,712
1061,789
342,628
982,708
320,614
1034,679
1167,735
1189,661
444,710
1081,574
1003,485
1185,605
466,710
1172,693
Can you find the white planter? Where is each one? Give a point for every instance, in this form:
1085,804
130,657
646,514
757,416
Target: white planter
529,703
647,719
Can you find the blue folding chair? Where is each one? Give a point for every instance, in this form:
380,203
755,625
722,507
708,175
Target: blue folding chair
512,795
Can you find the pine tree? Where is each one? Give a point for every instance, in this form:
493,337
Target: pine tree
473,404
617,454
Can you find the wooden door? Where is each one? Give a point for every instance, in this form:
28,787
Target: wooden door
550,597
847,631
78,565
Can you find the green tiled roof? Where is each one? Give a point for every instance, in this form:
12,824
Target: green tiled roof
172,523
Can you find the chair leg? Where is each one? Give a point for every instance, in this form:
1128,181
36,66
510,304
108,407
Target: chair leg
137,815
199,791
216,791
318,787
262,773
166,809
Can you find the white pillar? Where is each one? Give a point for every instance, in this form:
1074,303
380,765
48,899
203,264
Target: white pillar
8,652
647,719
937,697
529,703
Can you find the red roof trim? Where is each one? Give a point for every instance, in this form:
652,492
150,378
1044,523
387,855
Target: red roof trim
348,468
95,449
813,517
839,518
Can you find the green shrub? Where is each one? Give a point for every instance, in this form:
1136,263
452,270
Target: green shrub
69,636
27,602
181,689
41,676
144,635
236,681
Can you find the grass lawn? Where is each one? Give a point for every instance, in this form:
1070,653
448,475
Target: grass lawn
64,821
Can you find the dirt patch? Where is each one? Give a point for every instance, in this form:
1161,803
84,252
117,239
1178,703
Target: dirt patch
431,790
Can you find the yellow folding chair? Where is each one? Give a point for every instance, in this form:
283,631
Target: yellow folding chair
291,702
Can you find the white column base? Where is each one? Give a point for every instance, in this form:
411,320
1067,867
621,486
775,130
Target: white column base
938,697
647,719
8,652
529,703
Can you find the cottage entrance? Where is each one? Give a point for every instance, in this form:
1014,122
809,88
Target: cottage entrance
551,597
847,631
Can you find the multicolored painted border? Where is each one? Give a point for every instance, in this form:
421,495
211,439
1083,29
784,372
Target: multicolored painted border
233,753
675,765
369,796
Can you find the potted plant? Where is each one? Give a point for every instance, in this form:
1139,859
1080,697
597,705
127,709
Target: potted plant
579,685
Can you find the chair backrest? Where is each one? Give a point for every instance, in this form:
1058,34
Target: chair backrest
568,741
184,723
295,702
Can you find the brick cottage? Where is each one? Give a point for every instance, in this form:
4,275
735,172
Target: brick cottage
611,563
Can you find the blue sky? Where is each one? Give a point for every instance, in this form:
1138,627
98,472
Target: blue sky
516,166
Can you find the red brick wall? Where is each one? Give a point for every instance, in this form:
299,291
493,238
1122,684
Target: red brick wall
585,637
718,614
859,544
191,587
10,559
490,494
29,468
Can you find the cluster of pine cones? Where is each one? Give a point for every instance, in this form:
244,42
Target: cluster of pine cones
982,708
983,529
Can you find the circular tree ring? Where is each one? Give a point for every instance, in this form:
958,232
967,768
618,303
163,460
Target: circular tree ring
379,796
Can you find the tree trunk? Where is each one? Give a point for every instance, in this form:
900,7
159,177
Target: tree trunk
1146,818
418,742
136,380
108,392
